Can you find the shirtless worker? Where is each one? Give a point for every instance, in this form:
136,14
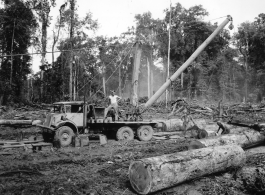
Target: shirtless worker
113,103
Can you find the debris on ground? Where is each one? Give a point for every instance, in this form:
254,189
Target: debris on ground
103,168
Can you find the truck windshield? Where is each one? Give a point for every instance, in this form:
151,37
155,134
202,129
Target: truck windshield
68,108
77,109
58,108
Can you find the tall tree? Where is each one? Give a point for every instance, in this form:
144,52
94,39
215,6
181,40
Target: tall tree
43,8
18,25
59,24
146,30
257,55
57,75
72,8
244,43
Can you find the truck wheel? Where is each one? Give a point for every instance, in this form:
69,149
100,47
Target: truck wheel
145,132
125,133
65,135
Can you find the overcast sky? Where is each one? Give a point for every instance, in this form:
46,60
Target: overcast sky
115,16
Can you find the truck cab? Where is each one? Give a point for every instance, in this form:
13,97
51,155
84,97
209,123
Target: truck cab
63,122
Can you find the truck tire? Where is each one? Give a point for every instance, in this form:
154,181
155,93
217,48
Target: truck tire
125,133
145,133
64,135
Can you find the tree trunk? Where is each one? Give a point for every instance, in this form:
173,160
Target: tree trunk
11,68
28,89
103,83
55,38
74,79
32,90
156,173
120,81
43,45
182,84
136,67
245,139
62,76
246,79
150,75
148,78
72,7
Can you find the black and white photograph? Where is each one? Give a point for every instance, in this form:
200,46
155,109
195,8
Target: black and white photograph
128,97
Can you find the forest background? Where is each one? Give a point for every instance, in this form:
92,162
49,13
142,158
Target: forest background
231,68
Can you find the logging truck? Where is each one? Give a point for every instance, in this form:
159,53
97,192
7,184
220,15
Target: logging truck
78,117
71,118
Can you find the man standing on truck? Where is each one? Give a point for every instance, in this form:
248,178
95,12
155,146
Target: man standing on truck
113,103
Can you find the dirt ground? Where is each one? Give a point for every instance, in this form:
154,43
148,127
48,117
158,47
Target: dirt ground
103,169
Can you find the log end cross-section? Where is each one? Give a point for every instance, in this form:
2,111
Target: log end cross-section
140,177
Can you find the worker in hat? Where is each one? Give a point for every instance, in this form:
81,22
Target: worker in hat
113,103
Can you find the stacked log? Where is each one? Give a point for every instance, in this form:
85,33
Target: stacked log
156,173
245,139
176,124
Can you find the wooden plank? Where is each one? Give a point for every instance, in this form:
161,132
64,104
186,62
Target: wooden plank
15,122
135,122
16,146
12,142
26,145
42,144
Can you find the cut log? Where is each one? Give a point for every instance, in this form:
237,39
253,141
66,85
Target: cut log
156,173
176,124
15,122
245,139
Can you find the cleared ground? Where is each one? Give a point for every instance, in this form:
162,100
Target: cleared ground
101,170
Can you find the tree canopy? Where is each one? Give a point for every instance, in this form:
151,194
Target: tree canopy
231,66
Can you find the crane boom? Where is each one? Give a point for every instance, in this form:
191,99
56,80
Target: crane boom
162,89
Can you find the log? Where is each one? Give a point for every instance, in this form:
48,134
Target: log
176,124
15,122
245,139
244,174
156,173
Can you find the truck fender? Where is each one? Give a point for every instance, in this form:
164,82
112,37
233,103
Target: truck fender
69,124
